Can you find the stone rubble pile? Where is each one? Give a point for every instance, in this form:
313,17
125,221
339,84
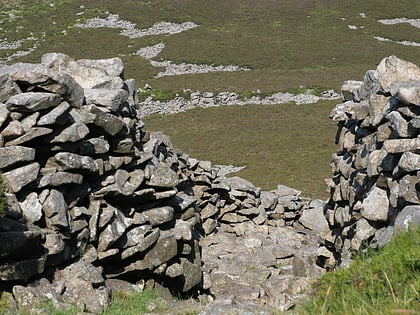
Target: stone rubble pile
375,188
209,99
95,203
130,29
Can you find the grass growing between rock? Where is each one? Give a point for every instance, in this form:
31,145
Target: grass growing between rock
134,303
279,144
386,281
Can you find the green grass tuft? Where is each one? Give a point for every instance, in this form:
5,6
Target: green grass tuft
135,303
386,281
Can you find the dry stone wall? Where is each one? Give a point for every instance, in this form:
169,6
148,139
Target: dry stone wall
375,186
95,202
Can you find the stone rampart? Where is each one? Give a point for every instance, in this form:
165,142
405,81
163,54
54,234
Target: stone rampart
375,186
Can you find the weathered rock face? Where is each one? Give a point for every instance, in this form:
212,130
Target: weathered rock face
95,201
94,195
86,183
375,184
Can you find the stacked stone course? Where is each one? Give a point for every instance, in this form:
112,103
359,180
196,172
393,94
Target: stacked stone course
94,199
95,203
375,186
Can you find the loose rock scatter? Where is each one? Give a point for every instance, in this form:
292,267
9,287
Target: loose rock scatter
413,22
208,99
130,30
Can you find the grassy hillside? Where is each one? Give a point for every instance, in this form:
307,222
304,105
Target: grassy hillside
285,44
288,144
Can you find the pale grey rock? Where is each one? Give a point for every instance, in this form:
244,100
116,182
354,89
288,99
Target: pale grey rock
375,160
18,178
113,231
81,293
383,236
402,145
164,249
209,226
31,208
327,257
122,145
67,161
342,216
183,230
163,176
268,200
29,121
158,216
9,87
107,213
338,113
409,162
378,105
370,85
408,189
241,184
88,73
414,126
94,146
384,132
94,210
392,69
55,116
193,275
34,133
208,211
314,219
4,114
117,285
376,205
283,190
112,66
364,231
183,201
261,218
12,156
111,99
136,234
28,297
59,178
81,270
123,183
139,243
111,124
233,218
75,132
54,244
13,130
48,80
30,102
174,270
409,216
350,90
407,92
56,211
398,124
